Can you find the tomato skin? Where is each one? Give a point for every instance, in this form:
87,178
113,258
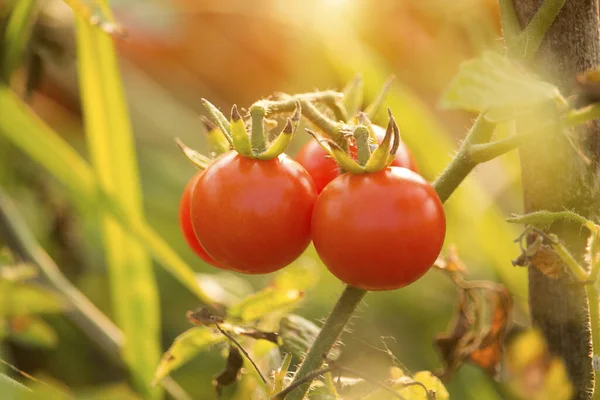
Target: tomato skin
186,224
253,216
378,231
323,169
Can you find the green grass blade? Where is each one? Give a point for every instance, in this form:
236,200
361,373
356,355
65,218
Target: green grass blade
110,142
17,34
30,134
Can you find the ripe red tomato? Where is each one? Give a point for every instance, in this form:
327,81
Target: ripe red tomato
378,231
323,169
253,216
186,223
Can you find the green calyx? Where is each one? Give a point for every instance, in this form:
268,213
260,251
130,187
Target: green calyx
368,161
214,136
199,160
254,144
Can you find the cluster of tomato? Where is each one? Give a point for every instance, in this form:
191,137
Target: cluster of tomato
377,230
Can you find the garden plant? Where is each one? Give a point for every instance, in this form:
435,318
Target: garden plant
353,194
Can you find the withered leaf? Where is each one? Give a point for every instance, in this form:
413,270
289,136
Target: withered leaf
230,374
467,341
489,352
272,337
203,316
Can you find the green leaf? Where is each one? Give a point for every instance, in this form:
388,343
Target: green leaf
111,145
185,347
33,332
268,300
10,389
112,392
496,84
18,31
303,274
29,133
18,299
224,287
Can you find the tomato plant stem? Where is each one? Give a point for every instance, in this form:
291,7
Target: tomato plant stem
511,28
529,41
327,337
582,115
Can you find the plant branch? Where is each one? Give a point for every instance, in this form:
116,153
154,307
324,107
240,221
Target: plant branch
583,115
576,270
240,348
327,337
462,164
531,38
511,28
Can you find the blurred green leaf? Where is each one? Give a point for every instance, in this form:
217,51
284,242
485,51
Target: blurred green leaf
185,347
32,332
29,133
285,291
17,34
302,274
269,300
10,389
224,287
18,272
18,299
112,392
111,145
499,85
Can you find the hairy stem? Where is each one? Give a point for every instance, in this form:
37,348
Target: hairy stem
555,178
327,337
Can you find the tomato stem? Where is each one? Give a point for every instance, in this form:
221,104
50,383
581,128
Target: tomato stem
327,337
258,137
361,135
462,163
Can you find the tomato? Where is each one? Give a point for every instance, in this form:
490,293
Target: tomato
253,216
378,231
323,169
186,223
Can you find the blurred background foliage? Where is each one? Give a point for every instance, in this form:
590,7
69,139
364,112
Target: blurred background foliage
235,51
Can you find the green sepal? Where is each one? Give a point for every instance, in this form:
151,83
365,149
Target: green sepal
280,144
220,119
373,109
361,136
339,155
241,140
199,160
353,96
215,137
385,152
